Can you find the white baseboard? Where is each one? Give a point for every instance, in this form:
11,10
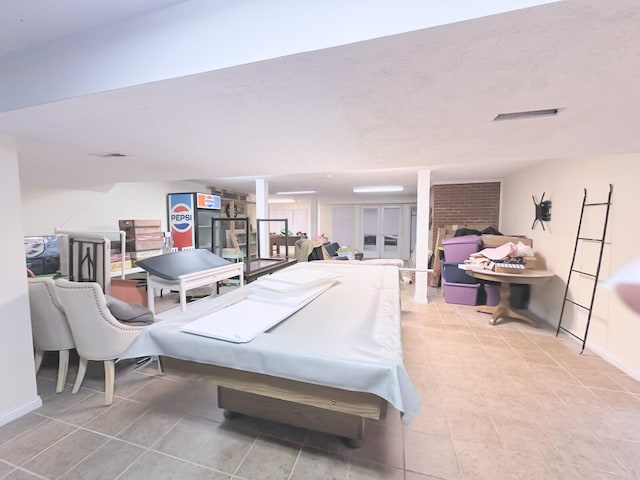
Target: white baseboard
607,357
18,412
616,362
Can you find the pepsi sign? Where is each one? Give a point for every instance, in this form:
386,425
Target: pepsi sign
181,217
182,220
208,201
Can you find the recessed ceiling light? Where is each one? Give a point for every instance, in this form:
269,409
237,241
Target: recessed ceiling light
527,114
298,192
379,189
281,200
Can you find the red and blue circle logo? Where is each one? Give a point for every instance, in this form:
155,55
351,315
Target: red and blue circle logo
181,217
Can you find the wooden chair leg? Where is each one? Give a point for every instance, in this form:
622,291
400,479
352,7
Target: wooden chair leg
82,370
160,369
63,368
109,381
38,359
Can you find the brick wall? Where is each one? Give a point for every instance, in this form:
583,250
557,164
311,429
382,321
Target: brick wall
458,204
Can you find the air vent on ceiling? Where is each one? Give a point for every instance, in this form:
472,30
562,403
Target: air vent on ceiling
110,155
528,114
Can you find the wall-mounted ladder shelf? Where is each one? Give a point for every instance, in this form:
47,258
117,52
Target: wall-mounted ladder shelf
592,276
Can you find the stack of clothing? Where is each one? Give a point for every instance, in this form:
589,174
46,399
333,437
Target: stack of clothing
308,250
508,253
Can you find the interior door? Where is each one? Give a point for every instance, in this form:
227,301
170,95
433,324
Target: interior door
371,232
390,228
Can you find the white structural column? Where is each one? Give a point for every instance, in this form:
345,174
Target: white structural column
262,211
313,220
422,235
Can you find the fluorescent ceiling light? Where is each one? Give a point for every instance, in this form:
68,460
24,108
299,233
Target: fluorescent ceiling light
379,189
298,192
281,200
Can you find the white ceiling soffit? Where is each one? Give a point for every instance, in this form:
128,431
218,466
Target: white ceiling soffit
399,103
197,36
25,23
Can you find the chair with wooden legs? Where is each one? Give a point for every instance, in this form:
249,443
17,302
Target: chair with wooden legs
99,336
49,326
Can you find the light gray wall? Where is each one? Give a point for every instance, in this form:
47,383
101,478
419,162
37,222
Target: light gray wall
18,393
46,209
614,329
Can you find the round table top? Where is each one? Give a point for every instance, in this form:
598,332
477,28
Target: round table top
527,276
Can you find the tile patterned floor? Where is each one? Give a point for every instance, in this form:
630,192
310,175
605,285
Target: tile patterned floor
499,402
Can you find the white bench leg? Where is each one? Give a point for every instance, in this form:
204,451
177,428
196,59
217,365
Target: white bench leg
183,299
150,297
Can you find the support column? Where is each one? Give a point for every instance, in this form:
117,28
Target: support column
262,211
422,235
313,220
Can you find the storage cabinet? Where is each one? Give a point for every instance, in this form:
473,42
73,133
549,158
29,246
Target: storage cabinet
233,229
239,238
234,234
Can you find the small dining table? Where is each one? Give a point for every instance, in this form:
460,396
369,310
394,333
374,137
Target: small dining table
278,241
503,309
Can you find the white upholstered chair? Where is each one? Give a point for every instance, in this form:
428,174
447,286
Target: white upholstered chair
49,326
97,333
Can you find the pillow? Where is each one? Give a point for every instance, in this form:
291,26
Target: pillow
129,313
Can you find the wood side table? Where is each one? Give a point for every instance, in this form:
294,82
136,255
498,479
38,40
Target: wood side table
504,309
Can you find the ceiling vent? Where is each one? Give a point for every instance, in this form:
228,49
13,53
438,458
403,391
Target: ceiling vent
529,114
109,155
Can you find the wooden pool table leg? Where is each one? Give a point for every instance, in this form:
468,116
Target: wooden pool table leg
352,442
348,426
229,415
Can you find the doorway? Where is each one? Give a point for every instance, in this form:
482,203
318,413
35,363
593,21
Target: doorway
381,231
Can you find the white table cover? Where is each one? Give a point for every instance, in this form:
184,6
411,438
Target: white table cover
349,338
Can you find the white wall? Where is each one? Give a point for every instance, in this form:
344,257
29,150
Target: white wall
298,214
44,210
17,374
615,329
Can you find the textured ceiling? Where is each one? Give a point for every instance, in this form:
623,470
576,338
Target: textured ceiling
24,23
366,113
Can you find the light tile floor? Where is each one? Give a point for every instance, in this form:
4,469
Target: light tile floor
499,402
